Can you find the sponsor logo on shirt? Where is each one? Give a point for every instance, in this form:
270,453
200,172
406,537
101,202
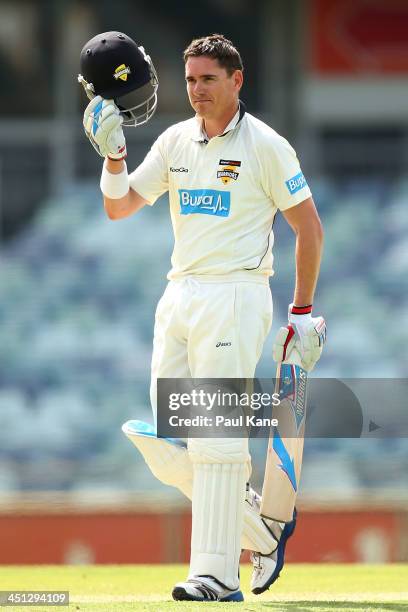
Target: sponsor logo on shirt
228,170
296,183
223,344
182,169
205,202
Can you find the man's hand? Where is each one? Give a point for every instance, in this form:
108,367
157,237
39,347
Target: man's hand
304,332
103,127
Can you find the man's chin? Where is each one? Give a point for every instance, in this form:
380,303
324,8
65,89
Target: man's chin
203,109
203,113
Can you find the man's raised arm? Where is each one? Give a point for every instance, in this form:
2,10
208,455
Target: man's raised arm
115,181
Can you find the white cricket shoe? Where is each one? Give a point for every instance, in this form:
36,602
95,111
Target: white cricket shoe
267,568
204,588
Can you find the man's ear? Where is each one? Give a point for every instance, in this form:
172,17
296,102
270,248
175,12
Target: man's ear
238,78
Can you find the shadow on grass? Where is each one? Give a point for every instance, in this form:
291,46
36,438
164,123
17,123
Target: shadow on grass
307,606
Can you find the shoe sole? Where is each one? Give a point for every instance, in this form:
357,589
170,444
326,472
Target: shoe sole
180,594
286,534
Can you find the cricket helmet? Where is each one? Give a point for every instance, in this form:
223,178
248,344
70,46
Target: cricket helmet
115,67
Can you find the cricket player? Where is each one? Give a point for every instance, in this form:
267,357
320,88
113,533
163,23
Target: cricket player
227,174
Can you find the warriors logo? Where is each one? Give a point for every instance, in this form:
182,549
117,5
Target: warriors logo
229,170
121,72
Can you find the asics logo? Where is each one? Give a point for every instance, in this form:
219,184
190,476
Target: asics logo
223,344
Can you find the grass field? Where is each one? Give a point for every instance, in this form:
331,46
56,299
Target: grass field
301,588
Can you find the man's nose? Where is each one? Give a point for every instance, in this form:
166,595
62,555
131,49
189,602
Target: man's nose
198,89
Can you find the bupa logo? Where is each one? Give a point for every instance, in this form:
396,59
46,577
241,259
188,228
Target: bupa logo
205,202
296,183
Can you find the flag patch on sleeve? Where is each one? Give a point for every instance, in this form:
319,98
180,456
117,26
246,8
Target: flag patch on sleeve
296,183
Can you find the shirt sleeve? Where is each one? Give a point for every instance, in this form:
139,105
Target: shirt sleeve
150,179
282,176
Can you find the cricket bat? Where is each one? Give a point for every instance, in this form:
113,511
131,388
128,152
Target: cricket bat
285,447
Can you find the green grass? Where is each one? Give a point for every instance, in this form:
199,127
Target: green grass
301,588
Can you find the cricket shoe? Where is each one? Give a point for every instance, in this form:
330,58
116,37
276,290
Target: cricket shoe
267,568
205,588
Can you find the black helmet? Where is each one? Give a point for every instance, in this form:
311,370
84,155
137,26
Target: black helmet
115,67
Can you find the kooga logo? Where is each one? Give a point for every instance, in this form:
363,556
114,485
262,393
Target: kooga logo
178,169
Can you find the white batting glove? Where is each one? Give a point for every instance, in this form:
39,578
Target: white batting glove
103,127
305,333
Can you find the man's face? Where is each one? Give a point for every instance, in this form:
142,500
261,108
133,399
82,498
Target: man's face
212,93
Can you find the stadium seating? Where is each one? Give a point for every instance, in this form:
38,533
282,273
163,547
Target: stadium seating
77,300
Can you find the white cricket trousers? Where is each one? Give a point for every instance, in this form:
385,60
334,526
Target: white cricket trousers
207,329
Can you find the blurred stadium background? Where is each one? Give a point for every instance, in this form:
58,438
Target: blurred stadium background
78,292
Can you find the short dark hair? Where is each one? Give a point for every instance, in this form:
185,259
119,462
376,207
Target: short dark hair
217,47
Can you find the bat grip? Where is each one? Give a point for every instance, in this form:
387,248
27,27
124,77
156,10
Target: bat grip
294,358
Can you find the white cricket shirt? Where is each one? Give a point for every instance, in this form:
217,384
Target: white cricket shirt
224,194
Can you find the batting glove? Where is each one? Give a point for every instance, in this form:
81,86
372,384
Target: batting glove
305,333
103,127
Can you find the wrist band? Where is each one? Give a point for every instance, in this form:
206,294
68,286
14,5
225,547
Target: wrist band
114,186
301,310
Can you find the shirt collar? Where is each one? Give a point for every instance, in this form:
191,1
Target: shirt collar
199,134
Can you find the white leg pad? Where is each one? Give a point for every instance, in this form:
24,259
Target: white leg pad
220,468
257,535
218,509
169,461
167,458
